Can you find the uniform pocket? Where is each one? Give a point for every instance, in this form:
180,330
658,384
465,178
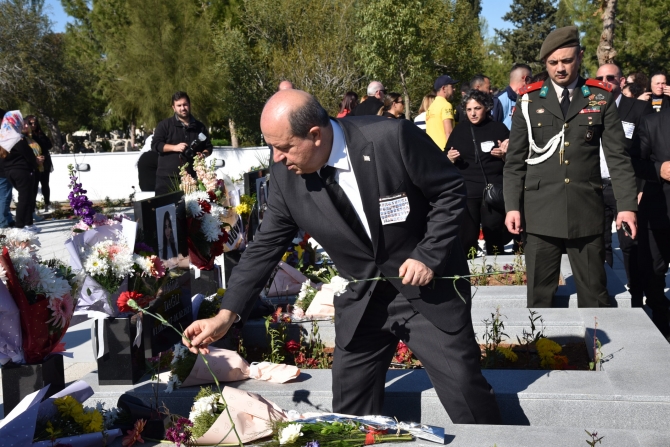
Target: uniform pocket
532,184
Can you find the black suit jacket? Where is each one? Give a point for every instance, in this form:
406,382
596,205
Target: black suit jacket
654,209
388,157
631,111
370,106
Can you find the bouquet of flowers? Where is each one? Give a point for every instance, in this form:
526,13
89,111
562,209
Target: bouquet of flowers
188,369
43,294
207,206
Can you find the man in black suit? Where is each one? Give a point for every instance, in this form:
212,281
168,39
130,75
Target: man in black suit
630,113
660,90
392,209
375,101
654,212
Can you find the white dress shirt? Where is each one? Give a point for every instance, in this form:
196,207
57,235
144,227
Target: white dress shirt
559,90
344,174
604,171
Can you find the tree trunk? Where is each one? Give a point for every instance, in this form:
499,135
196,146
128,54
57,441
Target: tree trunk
132,133
233,133
56,137
606,52
405,94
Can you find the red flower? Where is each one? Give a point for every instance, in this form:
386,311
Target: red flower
292,346
122,302
312,363
276,315
212,195
205,205
134,434
299,359
369,438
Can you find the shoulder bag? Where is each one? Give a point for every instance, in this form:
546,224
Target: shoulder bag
493,193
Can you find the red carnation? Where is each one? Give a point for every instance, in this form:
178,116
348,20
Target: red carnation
292,346
122,302
212,195
205,205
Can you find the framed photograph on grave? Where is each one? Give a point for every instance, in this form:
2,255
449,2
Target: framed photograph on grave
167,232
147,216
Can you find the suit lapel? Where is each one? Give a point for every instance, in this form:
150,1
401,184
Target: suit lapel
625,106
550,102
578,101
362,157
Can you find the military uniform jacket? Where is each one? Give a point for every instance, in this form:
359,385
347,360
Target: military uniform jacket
562,196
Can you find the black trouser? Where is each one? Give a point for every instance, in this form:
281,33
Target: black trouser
24,182
166,184
43,179
627,245
451,359
492,223
543,267
654,250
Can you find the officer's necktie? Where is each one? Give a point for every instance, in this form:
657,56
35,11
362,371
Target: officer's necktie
343,204
565,102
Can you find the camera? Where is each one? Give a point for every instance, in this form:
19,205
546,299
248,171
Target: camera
189,152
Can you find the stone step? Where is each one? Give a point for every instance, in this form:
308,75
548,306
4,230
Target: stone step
615,398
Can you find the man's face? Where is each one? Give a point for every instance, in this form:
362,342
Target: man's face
448,91
485,86
609,73
299,155
381,93
182,108
563,65
657,84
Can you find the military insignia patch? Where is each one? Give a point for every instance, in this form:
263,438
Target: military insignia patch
585,91
594,109
602,103
592,97
600,97
544,91
593,103
539,111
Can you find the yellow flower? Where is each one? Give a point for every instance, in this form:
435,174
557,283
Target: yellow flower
220,291
299,250
243,209
508,353
285,257
547,349
91,422
68,406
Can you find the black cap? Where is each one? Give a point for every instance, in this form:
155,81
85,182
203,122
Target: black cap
442,81
565,37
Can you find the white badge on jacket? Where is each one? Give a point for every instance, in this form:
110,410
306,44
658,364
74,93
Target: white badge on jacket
394,208
628,129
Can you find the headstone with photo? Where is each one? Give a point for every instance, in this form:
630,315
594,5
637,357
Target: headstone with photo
162,226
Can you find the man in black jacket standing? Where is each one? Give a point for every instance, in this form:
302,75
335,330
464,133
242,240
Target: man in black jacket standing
654,213
631,112
375,101
172,137
382,200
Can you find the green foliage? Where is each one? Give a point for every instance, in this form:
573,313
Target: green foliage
276,331
533,21
493,335
220,142
183,366
531,337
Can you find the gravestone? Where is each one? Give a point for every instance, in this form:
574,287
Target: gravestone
155,216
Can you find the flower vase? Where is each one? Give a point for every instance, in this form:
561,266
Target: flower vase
18,381
123,363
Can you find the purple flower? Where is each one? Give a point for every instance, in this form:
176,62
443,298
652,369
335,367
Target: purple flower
312,444
79,202
141,247
179,433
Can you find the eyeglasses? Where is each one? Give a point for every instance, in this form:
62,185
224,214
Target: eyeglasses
400,102
383,90
610,78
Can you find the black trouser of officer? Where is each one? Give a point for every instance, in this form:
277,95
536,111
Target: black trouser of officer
627,245
654,256
543,268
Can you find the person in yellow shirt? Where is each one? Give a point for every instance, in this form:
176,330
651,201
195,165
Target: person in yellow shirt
440,114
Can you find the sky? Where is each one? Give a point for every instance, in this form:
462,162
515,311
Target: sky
492,10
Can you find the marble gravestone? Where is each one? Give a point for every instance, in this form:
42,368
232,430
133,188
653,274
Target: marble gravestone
162,226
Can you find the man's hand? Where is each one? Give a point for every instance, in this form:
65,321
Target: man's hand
181,147
639,197
203,332
501,150
631,219
644,96
415,273
666,90
665,171
453,154
513,222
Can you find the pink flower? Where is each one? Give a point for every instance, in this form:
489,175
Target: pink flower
62,309
158,270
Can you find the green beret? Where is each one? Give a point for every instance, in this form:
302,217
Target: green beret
565,37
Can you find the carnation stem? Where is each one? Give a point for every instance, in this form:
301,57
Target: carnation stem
454,278
134,305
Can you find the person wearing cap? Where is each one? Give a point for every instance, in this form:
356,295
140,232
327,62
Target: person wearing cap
552,174
440,114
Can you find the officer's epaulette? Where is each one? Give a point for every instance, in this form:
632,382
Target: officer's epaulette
600,84
530,87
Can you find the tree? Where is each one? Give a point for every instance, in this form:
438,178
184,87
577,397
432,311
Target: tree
534,20
389,43
34,66
606,52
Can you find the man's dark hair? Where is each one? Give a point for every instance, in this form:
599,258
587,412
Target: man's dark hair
180,95
658,73
540,77
309,115
477,79
516,67
482,98
635,89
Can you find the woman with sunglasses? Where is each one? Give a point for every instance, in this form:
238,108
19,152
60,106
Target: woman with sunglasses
394,106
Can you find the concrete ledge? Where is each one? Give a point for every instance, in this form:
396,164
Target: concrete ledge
632,392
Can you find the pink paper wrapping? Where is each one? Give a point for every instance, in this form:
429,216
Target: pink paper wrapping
287,281
322,304
228,366
252,415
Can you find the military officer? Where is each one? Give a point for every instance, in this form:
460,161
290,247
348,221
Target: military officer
552,174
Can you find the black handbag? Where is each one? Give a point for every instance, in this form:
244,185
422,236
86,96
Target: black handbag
493,193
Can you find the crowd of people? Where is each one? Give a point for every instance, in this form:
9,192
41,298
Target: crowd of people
25,165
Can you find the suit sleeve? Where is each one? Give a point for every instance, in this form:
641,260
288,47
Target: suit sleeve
645,167
514,173
618,161
263,254
159,140
442,184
